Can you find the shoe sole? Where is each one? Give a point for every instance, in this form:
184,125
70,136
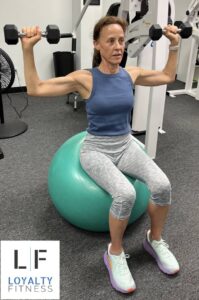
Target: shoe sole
150,250
114,285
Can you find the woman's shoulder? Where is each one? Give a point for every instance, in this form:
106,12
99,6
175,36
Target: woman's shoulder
131,69
133,72
81,75
83,81
82,72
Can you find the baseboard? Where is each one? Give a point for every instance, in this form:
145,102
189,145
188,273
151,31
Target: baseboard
18,89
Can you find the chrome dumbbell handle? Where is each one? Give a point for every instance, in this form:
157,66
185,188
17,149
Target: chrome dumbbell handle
22,34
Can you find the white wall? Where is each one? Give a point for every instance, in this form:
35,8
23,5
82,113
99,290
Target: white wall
42,13
85,32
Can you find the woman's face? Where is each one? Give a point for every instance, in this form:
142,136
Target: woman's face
111,44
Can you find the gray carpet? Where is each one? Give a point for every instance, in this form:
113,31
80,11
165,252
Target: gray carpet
27,213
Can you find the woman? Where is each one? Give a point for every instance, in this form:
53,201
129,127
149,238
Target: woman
109,149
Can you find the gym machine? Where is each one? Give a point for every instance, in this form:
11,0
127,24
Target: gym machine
150,101
142,31
149,105
192,17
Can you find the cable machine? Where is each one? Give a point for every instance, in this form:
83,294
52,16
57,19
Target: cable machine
149,101
192,17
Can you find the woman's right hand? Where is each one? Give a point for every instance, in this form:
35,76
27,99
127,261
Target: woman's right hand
32,36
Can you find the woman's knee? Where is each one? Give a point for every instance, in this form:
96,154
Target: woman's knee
161,191
123,203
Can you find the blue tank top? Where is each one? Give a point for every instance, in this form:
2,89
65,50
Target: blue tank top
110,104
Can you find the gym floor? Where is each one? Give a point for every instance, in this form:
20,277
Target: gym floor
27,213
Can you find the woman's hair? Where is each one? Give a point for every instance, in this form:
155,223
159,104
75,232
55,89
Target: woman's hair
107,20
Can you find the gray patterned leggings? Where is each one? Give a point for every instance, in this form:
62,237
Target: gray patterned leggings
105,159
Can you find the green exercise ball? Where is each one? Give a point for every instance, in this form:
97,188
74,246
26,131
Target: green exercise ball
77,197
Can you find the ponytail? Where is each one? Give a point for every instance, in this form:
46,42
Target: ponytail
96,58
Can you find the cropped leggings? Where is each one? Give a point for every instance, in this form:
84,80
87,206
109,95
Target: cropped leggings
107,159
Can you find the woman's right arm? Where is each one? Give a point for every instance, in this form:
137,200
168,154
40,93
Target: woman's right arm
51,87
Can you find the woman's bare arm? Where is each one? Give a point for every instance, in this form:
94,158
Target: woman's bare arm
50,87
159,77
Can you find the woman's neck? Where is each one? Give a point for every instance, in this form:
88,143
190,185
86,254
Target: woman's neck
109,69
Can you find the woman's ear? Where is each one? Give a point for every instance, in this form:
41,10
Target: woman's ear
96,45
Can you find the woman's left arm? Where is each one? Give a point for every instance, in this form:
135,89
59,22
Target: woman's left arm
154,77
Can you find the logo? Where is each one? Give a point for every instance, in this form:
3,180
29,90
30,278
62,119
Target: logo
30,270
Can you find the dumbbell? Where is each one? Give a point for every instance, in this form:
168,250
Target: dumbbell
52,34
156,32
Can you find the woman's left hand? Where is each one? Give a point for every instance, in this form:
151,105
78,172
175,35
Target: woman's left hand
171,32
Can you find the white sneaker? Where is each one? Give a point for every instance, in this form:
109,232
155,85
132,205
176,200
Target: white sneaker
164,257
120,275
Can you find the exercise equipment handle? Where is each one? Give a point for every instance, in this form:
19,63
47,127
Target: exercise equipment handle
66,35
80,17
